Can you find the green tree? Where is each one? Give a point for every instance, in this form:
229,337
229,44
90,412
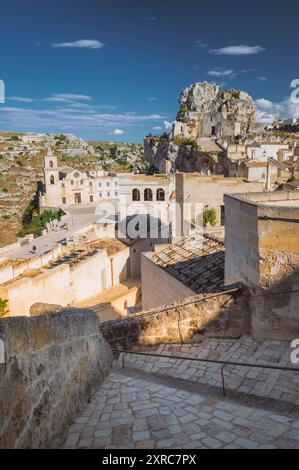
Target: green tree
209,217
3,307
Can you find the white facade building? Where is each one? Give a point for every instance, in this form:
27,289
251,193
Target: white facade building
65,186
125,193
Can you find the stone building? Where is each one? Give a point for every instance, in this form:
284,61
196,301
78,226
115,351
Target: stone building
65,186
205,111
195,192
188,267
263,162
70,275
206,120
127,193
262,252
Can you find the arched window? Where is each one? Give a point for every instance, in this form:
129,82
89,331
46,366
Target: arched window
51,164
160,194
148,194
136,194
52,180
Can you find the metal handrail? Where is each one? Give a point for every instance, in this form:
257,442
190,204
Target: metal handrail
203,296
213,361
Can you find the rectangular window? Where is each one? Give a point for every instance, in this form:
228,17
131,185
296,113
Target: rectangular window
222,216
108,194
100,185
100,194
91,198
63,200
107,184
116,193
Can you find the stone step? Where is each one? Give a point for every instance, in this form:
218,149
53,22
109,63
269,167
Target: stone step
131,412
206,389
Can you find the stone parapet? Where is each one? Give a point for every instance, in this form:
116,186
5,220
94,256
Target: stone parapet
218,315
53,364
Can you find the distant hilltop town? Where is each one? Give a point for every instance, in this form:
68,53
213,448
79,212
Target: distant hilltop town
210,126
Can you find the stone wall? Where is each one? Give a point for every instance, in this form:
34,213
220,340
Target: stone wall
12,268
194,188
241,242
66,283
274,311
261,237
190,320
53,364
159,287
262,251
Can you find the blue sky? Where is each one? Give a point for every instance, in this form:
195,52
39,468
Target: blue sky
113,70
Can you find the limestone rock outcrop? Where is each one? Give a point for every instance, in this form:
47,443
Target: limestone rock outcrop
202,98
205,113
198,96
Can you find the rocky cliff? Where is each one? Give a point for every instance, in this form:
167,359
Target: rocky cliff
204,98
205,114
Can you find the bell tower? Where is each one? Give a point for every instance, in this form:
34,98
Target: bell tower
50,161
51,171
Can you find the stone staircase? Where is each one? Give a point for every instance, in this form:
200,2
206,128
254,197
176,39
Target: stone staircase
139,409
278,389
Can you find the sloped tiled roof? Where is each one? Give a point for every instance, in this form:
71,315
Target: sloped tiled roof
197,263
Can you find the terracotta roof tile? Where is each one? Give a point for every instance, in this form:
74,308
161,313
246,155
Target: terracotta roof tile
197,263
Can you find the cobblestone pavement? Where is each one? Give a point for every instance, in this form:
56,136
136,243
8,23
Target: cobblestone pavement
275,384
129,412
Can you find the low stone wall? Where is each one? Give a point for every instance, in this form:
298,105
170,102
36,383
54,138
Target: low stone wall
275,312
223,315
53,364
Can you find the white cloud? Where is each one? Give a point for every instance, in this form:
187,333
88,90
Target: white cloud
269,111
201,44
21,99
67,97
79,120
117,132
152,18
153,98
218,72
167,125
157,128
262,79
237,50
247,70
82,43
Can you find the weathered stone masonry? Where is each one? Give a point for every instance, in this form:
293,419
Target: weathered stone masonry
223,315
53,364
